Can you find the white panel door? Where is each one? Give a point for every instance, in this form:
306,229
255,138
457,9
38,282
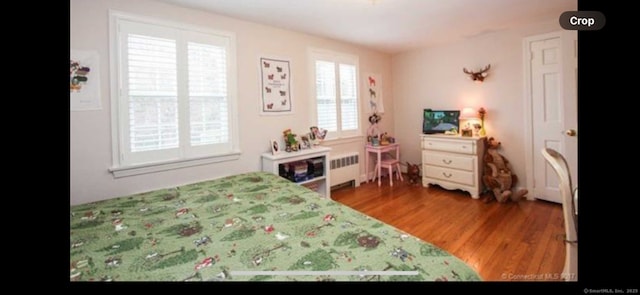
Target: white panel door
553,90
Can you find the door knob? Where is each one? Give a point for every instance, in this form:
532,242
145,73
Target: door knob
571,132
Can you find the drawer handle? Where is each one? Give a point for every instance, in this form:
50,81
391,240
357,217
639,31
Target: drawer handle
464,147
447,176
446,161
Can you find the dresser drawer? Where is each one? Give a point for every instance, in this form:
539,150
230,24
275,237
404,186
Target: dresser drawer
448,160
452,175
452,145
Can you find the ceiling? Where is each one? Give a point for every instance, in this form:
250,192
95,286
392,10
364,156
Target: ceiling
390,26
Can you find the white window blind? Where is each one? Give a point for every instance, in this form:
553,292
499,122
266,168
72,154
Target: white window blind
326,95
208,94
348,97
174,100
153,93
336,94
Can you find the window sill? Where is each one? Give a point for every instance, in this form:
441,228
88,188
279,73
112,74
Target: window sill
119,172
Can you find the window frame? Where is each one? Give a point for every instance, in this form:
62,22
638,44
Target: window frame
316,54
119,167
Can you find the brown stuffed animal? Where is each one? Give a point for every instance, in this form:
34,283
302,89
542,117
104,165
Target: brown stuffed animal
497,176
413,173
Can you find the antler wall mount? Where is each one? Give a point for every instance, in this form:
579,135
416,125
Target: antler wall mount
478,76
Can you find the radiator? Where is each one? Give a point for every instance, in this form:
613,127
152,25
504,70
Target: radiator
345,170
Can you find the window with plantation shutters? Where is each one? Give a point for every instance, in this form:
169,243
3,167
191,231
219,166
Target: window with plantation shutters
326,100
152,92
335,89
174,93
348,98
207,94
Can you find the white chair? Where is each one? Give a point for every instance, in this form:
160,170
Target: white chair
569,210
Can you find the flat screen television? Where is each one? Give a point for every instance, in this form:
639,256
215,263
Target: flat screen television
439,121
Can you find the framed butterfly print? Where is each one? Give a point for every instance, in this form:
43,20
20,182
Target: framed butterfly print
275,84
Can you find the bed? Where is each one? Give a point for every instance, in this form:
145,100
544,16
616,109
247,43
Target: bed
248,227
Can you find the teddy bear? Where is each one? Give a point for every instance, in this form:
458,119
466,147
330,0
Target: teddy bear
497,176
413,173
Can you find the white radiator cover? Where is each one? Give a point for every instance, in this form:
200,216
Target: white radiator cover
345,168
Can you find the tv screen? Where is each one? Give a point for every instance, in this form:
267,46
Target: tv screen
439,121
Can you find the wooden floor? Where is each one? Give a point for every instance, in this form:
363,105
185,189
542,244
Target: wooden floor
502,242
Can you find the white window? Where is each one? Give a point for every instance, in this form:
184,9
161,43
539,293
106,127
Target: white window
174,94
335,90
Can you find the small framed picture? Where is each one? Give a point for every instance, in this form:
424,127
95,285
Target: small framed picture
275,146
318,134
314,131
306,144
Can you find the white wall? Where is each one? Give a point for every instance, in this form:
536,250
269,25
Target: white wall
433,78
90,145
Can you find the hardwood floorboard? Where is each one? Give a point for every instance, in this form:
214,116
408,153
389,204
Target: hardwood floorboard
502,242
554,256
539,248
493,249
515,245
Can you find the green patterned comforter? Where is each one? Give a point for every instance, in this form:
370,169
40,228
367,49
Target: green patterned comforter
249,227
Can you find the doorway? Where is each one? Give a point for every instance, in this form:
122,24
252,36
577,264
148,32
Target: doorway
551,109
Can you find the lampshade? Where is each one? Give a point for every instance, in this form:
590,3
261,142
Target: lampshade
469,113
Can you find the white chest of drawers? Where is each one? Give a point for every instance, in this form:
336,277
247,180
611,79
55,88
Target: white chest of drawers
453,162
